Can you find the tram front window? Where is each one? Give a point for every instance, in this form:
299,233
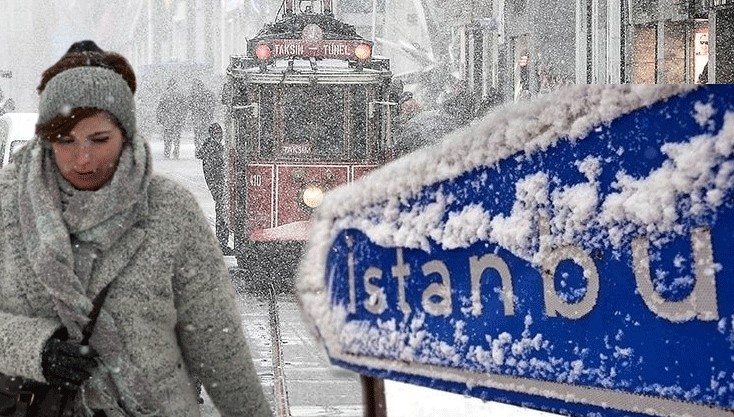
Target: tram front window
313,122
358,140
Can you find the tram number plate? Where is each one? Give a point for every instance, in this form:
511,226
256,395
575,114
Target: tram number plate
256,180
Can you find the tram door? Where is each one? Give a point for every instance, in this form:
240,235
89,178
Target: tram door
383,115
245,124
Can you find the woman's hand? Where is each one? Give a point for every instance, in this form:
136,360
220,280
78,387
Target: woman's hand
67,364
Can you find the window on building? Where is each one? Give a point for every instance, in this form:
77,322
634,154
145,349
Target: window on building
700,51
675,52
644,54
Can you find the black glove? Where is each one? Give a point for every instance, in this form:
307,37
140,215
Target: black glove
67,364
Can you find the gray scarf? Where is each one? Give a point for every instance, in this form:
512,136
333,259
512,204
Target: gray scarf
98,219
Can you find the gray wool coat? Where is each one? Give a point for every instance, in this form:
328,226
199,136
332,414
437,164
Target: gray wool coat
170,295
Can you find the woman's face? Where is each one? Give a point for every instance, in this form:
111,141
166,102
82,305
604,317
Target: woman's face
88,156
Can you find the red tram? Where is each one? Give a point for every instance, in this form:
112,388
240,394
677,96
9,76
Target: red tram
308,109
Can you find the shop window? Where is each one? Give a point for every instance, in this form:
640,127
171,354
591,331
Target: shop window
675,52
701,52
644,54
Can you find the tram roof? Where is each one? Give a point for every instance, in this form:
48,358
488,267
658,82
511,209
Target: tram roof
291,27
301,71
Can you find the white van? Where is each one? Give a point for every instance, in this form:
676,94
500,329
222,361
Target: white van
16,129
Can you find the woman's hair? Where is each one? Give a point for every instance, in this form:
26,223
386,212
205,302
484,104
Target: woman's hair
82,54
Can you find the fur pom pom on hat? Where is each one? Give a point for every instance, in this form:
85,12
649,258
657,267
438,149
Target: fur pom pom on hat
88,86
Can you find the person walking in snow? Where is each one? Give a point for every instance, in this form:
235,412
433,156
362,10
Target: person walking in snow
201,105
211,154
171,113
113,292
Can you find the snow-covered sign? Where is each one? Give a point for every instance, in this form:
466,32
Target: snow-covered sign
572,254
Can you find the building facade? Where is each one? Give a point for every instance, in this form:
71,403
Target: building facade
721,40
528,47
667,42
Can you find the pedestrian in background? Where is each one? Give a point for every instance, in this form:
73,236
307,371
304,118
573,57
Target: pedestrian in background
6,106
211,154
171,113
113,292
408,106
201,105
704,77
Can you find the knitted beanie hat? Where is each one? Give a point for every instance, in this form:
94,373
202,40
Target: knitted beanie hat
88,86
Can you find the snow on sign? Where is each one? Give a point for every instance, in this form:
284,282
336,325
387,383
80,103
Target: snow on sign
573,254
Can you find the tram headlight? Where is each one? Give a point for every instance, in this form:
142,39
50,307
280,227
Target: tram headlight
262,52
363,52
312,196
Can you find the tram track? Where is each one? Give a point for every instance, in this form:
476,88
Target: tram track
280,391
295,372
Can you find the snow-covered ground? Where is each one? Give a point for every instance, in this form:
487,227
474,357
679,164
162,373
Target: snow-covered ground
405,400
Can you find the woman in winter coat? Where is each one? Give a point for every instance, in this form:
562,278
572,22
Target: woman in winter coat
83,220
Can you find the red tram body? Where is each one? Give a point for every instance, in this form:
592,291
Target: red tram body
308,110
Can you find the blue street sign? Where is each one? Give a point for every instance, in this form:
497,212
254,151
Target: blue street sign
579,260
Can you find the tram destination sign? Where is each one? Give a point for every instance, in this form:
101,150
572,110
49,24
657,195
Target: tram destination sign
571,254
336,49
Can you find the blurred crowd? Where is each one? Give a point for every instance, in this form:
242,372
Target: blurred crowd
175,107
422,123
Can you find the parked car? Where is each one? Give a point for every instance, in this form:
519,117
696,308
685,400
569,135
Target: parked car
16,129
